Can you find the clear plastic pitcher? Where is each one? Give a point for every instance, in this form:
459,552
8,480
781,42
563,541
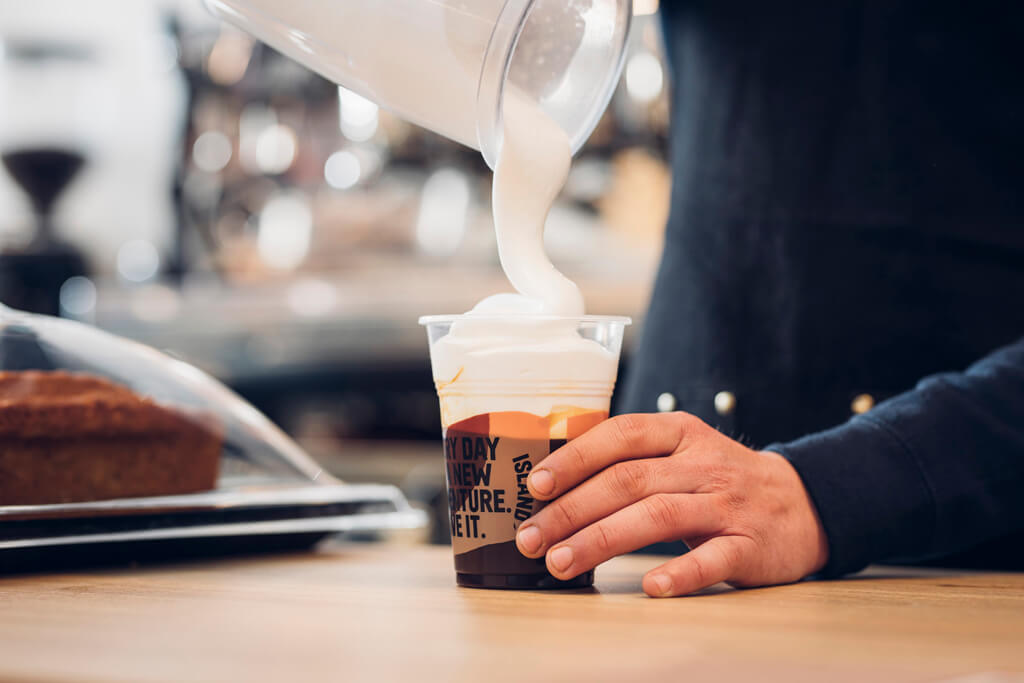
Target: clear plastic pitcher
448,65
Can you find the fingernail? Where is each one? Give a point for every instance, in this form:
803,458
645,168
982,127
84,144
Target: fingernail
663,583
561,558
542,482
529,539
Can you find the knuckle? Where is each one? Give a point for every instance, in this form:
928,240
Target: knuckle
734,499
729,500
701,574
687,421
716,471
631,478
722,508
566,513
629,429
577,457
730,556
690,425
662,511
602,539
569,464
733,556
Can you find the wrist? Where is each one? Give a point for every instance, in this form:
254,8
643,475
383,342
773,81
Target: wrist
808,532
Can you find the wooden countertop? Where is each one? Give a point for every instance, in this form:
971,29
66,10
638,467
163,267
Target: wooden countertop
362,613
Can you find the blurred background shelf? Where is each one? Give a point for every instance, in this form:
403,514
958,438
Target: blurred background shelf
226,205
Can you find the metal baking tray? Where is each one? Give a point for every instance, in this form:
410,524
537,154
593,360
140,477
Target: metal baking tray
243,520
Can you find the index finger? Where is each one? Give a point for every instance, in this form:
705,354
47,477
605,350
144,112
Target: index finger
625,437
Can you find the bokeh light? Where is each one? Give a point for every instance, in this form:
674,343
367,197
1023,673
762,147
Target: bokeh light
444,212
358,117
77,297
285,231
644,77
342,170
211,151
137,261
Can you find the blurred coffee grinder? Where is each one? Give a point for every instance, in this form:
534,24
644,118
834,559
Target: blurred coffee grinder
94,88
42,163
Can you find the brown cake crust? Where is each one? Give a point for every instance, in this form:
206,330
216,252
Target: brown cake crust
71,437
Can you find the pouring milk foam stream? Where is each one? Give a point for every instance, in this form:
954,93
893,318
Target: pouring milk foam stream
508,338
531,170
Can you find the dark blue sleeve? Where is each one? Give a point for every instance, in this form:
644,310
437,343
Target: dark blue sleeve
930,472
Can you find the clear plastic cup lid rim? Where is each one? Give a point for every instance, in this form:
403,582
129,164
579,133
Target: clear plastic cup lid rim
522,317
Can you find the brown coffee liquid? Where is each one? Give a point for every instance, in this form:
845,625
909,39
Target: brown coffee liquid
488,458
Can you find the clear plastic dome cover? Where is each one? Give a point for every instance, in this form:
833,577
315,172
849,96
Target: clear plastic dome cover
64,384
105,440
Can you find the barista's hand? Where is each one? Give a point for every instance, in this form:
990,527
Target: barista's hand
640,479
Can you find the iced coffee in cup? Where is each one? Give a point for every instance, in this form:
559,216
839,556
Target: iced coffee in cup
512,390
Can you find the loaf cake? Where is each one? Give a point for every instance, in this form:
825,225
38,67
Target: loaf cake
70,437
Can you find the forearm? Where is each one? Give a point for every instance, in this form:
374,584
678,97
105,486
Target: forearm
929,472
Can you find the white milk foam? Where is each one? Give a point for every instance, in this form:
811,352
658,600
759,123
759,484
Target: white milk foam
532,169
514,343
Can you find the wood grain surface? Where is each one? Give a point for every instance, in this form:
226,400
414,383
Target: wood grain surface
385,613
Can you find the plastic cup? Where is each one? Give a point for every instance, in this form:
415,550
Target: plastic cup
499,421
448,65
